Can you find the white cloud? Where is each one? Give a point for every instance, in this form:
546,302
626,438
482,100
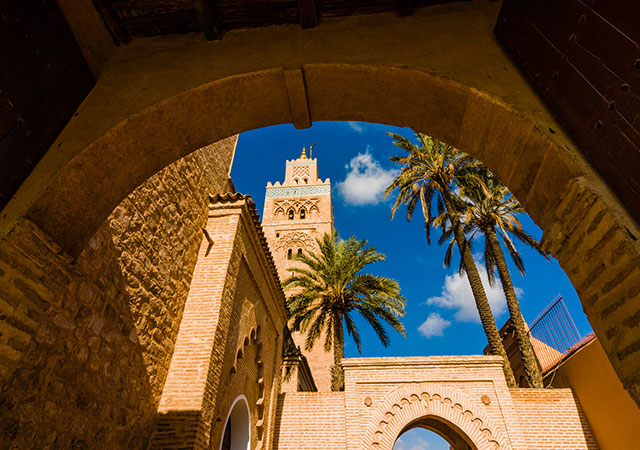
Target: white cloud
358,127
366,180
433,326
456,294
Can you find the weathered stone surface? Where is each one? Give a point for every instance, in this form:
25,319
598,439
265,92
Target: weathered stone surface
86,344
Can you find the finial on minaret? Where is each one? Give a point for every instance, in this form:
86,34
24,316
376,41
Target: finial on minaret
304,153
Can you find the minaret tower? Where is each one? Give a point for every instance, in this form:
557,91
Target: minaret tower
296,213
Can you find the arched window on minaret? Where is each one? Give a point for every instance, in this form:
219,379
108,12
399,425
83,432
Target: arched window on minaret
289,253
306,181
291,214
303,213
299,252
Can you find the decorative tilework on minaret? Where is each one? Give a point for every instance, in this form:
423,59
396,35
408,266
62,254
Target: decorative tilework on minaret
296,213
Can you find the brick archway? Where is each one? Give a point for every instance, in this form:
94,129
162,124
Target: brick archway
408,404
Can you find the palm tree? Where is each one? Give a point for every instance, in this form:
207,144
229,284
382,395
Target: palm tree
330,289
430,172
492,210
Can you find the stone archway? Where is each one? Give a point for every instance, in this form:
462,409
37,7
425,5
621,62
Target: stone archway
583,226
406,406
158,102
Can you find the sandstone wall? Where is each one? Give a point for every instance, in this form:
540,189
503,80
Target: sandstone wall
156,234
86,344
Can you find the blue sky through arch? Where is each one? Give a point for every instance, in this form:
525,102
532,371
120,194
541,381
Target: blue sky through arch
441,317
420,439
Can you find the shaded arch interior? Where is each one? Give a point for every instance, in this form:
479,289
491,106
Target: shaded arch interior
529,160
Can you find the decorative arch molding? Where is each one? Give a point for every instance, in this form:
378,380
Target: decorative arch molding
412,402
308,204
296,236
250,345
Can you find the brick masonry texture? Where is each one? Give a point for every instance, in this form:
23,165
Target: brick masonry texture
310,420
384,397
86,344
552,419
230,338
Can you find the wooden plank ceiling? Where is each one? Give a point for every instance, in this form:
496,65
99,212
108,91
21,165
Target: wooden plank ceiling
44,77
583,59
127,19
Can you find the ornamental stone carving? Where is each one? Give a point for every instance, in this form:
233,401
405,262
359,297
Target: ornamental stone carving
296,236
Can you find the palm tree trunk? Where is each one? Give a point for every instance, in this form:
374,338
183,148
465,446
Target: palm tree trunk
337,371
522,336
482,303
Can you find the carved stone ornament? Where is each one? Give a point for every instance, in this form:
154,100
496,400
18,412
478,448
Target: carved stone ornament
486,400
296,236
368,401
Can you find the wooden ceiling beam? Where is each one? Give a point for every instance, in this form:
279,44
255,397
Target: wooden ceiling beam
404,7
209,18
308,13
118,33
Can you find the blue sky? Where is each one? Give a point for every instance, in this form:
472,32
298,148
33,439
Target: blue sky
440,315
420,439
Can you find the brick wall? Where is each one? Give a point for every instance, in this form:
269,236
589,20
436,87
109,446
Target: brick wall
230,338
465,396
310,421
551,419
85,344
464,380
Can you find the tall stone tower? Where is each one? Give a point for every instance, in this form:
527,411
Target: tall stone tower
296,213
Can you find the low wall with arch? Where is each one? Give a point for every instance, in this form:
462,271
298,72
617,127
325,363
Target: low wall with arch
465,399
384,396
411,402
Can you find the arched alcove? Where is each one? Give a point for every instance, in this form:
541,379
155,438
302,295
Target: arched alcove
237,426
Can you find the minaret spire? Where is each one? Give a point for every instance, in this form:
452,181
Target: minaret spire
303,155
